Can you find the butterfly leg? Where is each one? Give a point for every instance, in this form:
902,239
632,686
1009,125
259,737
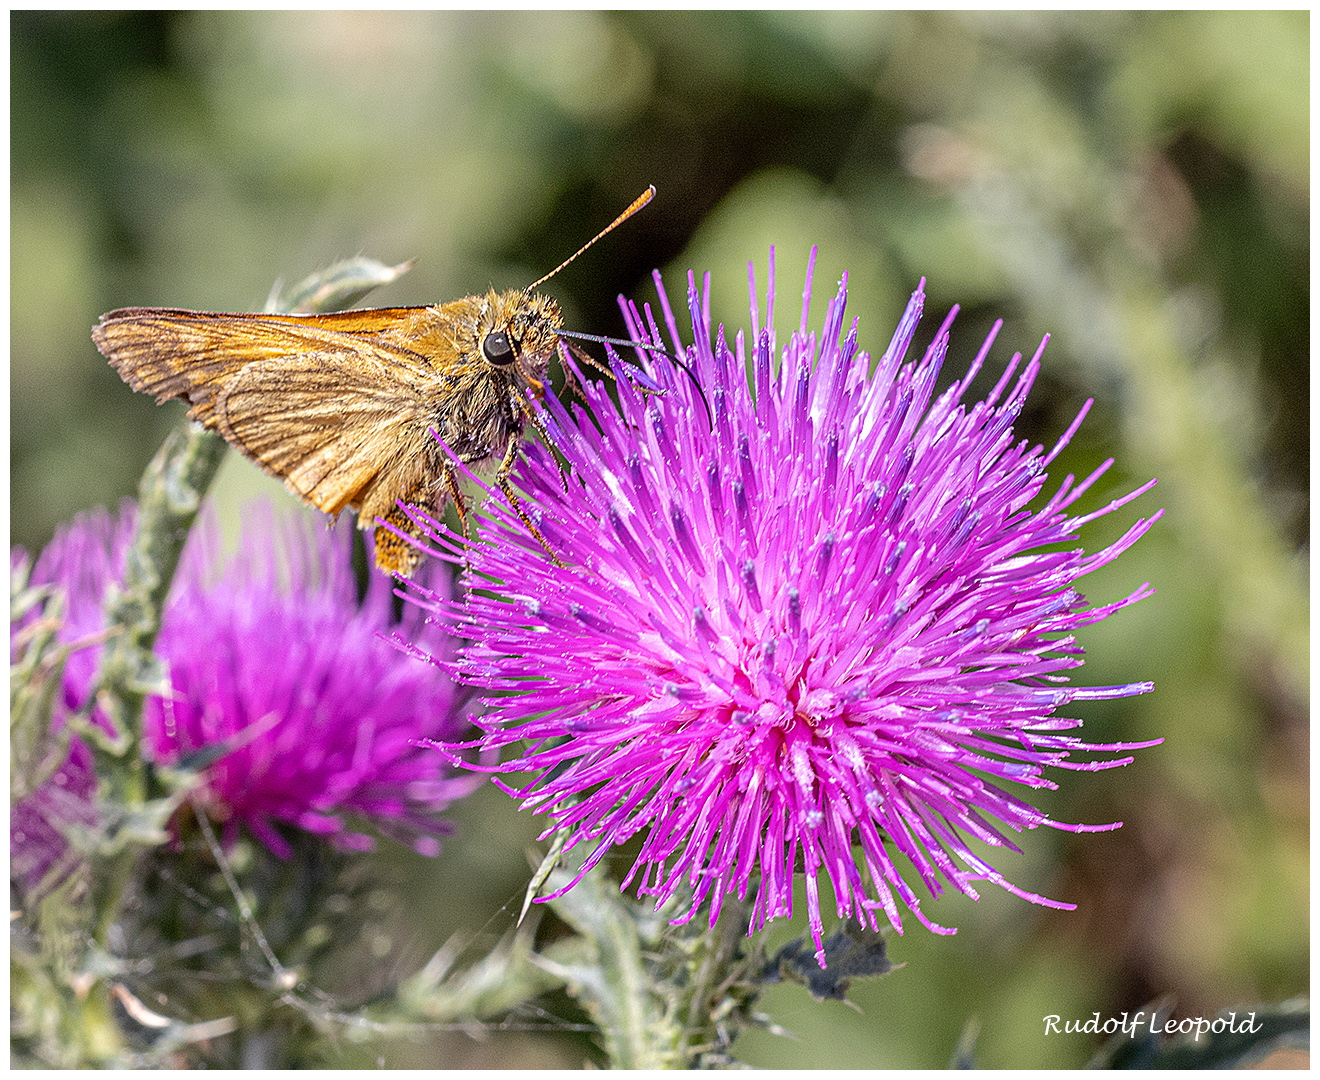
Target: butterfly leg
502,482
535,421
460,504
460,507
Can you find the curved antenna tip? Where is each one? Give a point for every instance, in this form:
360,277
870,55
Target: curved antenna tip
637,203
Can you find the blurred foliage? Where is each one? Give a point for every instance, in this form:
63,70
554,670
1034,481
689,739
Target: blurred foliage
1134,183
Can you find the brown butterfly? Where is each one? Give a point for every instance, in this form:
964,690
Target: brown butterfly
341,407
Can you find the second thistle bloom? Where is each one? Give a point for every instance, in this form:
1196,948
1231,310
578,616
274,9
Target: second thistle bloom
811,622
281,684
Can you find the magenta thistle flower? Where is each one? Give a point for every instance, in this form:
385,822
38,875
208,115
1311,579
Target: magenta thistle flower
818,627
274,663
79,560
39,853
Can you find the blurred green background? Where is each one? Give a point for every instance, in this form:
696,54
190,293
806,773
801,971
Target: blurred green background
1135,184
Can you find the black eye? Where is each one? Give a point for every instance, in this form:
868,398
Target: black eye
498,349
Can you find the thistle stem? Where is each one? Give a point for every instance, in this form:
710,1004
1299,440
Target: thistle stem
169,496
664,995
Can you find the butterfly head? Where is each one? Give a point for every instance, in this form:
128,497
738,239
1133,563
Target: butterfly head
522,335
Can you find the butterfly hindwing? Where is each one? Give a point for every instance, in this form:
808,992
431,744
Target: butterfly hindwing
328,423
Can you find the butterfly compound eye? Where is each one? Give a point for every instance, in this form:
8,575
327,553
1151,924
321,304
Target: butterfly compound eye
497,349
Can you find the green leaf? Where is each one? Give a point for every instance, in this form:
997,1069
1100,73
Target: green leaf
849,953
336,288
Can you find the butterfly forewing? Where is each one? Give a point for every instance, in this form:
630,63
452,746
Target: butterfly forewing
335,405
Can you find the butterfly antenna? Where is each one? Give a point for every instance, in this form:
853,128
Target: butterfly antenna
710,417
637,203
